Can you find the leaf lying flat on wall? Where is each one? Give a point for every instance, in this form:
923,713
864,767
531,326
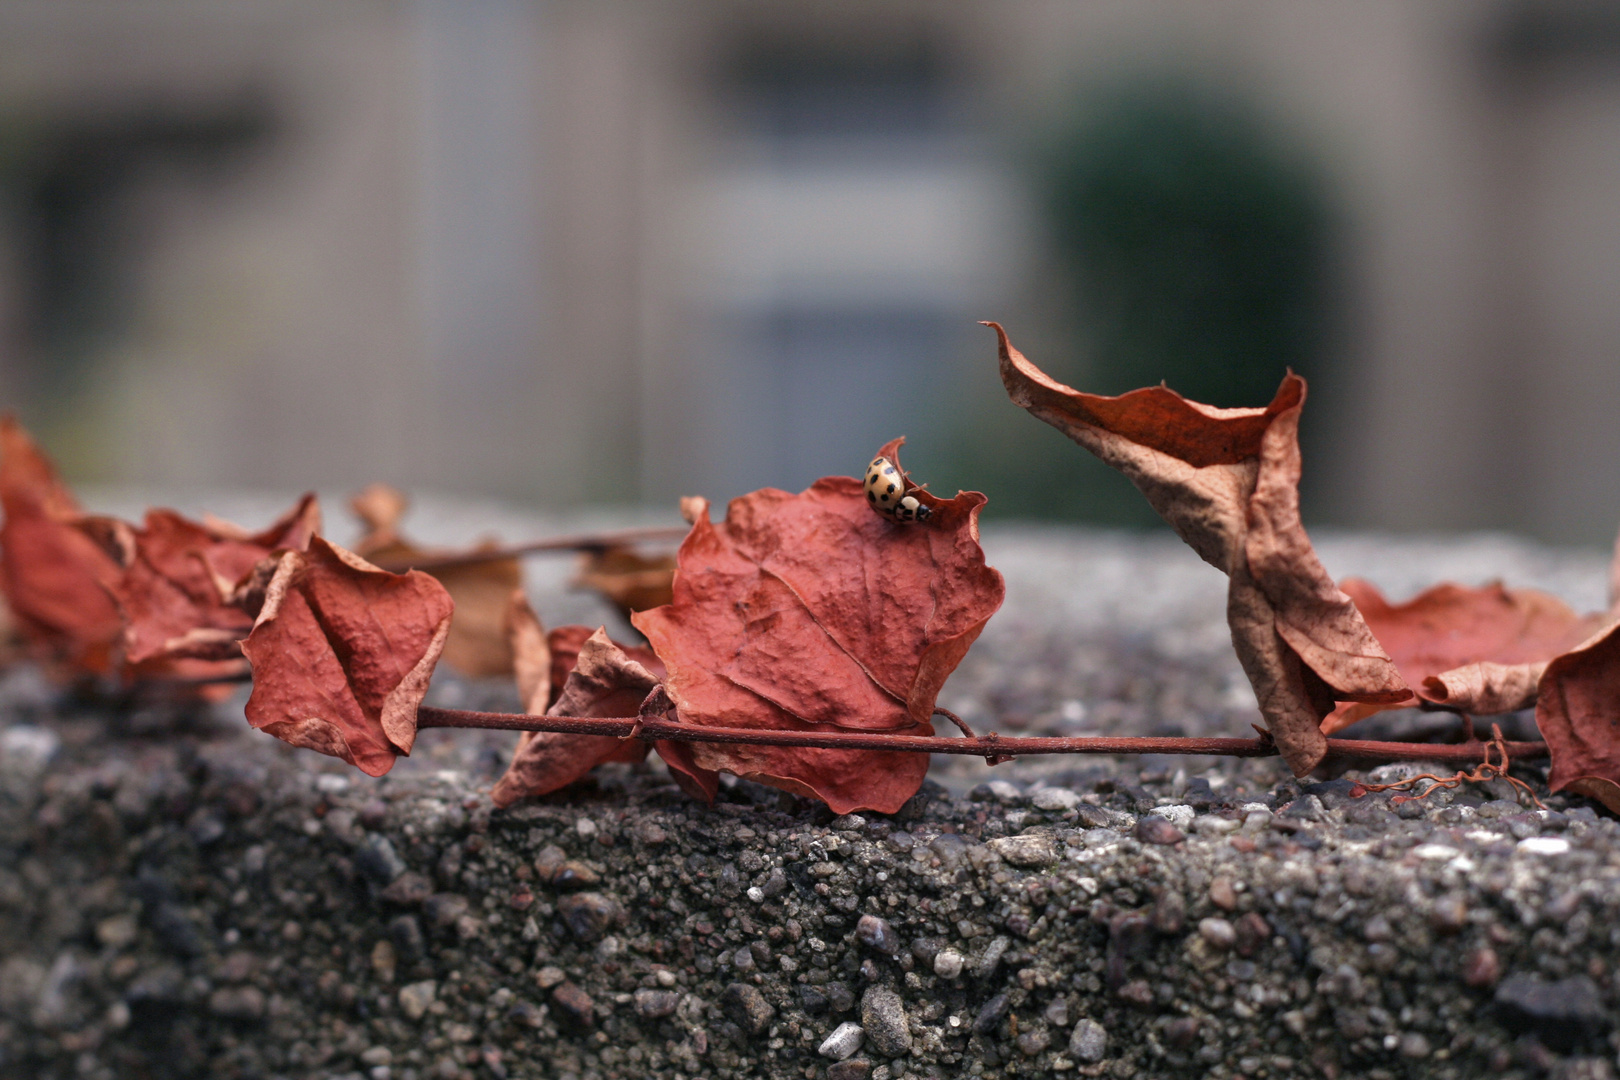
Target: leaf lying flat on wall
811,612
342,653
1227,481
1478,650
478,643
55,575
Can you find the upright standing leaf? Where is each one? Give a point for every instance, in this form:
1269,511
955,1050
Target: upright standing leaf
175,591
811,612
54,574
342,653
1227,481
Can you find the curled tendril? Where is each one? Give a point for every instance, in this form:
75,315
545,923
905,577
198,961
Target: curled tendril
1486,771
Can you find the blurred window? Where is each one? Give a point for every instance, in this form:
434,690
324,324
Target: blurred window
853,206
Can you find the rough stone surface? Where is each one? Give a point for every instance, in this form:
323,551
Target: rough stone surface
183,898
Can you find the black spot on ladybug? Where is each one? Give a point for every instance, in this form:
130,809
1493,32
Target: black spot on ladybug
891,489
884,498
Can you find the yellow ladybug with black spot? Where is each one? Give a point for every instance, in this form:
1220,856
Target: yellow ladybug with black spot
886,493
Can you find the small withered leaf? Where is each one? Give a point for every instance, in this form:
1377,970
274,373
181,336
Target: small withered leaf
810,612
1226,480
342,653
604,681
478,641
628,579
379,508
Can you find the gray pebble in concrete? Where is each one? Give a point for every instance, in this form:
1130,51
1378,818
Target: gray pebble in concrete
877,933
747,1007
883,1016
1088,1043
652,1004
845,1039
415,998
991,1013
1218,932
987,962
1027,850
1054,799
1158,830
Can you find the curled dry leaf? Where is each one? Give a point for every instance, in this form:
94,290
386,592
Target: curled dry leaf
177,589
55,575
1578,712
811,612
478,640
1478,650
630,580
603,682
342,653
577,671
1227,481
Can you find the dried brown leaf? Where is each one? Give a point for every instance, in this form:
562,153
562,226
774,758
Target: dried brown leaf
342,653
478,638
1478,650
629,580
1227,481
604,682
177,587
1578,712
54,574
812,612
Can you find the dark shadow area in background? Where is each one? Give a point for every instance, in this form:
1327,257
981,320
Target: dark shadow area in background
1196,248
65,191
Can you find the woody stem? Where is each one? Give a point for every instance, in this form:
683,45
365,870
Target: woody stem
656,730
582,542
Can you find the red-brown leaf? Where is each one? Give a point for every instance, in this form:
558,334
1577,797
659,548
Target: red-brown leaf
1578,712
811,612
1480,650
1227,481
603,681
55,576
175,591
342,653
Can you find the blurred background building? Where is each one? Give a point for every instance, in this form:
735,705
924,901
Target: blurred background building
563,251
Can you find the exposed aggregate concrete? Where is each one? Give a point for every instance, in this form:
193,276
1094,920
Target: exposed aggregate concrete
182,898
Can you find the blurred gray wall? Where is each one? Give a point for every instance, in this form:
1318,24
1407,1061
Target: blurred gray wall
571,252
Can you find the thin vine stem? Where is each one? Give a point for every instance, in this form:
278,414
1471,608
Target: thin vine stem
656,730
581,542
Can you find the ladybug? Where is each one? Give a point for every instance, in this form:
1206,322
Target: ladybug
885,493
